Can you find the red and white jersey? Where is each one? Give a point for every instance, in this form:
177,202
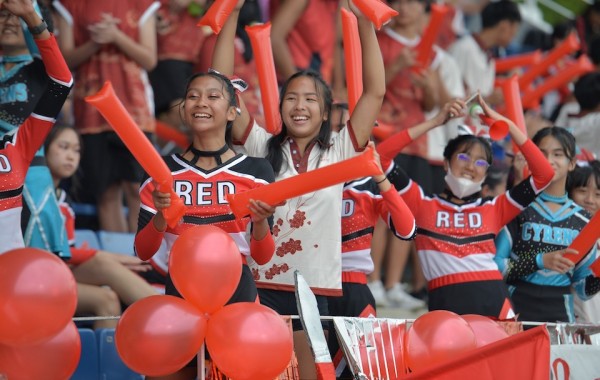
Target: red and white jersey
456,242
362,205
17,150
204,195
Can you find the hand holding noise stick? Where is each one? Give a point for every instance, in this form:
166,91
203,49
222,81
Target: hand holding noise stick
363,165
109,105
497,128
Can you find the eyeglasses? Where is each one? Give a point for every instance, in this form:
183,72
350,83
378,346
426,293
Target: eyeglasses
466,159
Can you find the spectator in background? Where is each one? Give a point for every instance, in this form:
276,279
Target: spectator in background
110,40
588,25
473,53
178,46
104,280
584,123
303,36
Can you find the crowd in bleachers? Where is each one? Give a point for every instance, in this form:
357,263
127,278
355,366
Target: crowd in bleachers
457,221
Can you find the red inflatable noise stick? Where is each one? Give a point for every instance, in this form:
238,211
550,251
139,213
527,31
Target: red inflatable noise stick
424,49
585,240
498,129
260,40
217,14
363,165
111,108
376,10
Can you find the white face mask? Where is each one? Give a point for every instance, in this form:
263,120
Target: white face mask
462,187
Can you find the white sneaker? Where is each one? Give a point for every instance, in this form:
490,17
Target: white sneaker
400,298
378,292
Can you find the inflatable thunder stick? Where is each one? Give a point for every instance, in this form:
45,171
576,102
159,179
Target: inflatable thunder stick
583,65
498,129
515,61
424,49
363,165
217,14
376,11
568,46
352,57
111,108
585,240
514,107
260,39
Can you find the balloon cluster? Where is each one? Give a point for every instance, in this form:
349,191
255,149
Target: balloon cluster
38,296
440,335
159,335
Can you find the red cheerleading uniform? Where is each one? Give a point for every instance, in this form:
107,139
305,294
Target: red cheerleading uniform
17,150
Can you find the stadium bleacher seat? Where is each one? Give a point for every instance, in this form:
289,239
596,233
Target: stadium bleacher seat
86,236
117,242
111,365
87,369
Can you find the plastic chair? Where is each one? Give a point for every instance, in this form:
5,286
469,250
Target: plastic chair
87,369
111,365
117,242
86,236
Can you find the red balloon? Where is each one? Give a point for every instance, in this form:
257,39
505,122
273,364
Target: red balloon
38,296
436,337
159,335
206,266
249,341
486,331
55,358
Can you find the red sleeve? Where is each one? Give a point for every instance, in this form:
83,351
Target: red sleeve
262,250
55,64
147,241
540,168
33,131
402,218
391,147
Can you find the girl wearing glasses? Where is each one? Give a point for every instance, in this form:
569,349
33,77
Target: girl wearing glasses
456,229
531,248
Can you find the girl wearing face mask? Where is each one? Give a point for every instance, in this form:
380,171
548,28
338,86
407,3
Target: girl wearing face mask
456,229
530,249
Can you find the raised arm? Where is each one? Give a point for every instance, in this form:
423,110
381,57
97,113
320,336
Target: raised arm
223,59
393,209
283,21
391,147
36,127
541,171
368,105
